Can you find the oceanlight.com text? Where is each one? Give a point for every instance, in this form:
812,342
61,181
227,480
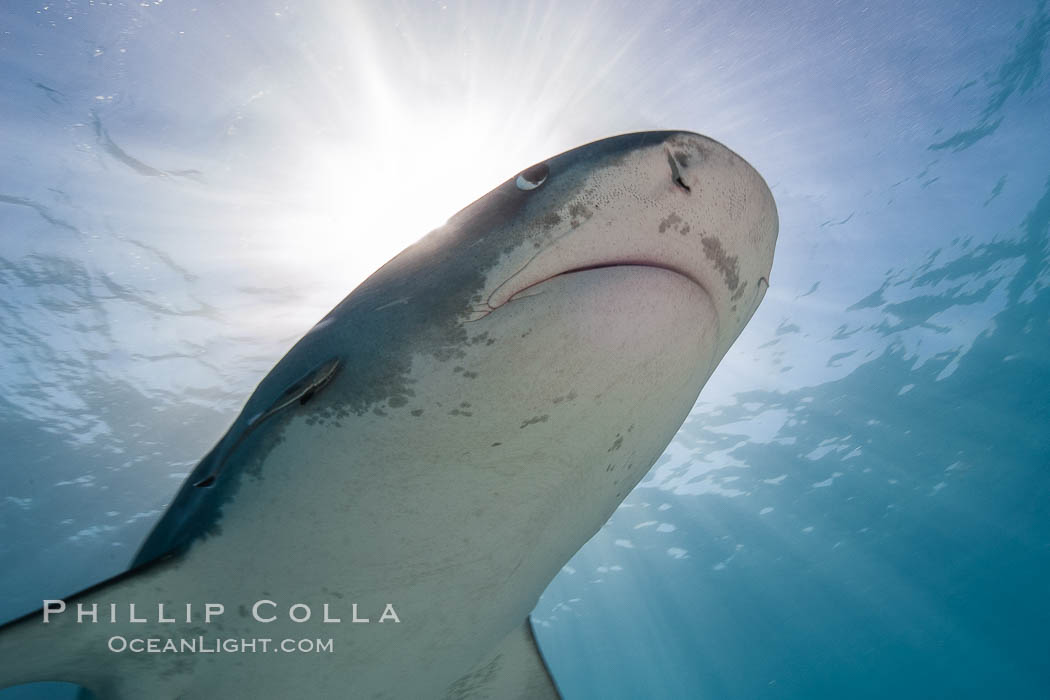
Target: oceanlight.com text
213,645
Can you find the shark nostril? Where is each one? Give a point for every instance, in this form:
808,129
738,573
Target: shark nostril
676,174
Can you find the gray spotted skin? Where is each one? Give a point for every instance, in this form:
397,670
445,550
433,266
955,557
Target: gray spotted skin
449,435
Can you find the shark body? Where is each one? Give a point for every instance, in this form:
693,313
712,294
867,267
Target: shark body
442,442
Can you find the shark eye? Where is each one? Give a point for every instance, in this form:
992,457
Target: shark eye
533,177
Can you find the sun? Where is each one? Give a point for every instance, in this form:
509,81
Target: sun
371,198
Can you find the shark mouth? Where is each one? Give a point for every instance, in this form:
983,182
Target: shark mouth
500,296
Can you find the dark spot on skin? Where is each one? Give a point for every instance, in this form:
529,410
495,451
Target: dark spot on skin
740,291
397,401
181,667
609,468
496,444
490,341
242,610
417,412
616,443
579,214
568,397
464,404
457,368
684,230
446,354
534,420
378,411
475,683
526,333
549,220
685,148
724,263
470,375
631,428
669,221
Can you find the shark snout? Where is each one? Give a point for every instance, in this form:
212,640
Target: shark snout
684,203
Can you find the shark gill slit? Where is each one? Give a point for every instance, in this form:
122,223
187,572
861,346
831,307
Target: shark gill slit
302,391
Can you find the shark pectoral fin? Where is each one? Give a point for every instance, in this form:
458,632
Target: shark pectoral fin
55,644
514,670
32,652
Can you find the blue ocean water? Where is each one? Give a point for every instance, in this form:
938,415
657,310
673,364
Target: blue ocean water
857,505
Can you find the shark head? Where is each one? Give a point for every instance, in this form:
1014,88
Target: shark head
673,200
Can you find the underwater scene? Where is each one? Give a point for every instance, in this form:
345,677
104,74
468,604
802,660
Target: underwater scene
856,506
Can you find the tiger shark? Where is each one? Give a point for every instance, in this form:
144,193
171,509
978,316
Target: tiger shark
435,449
